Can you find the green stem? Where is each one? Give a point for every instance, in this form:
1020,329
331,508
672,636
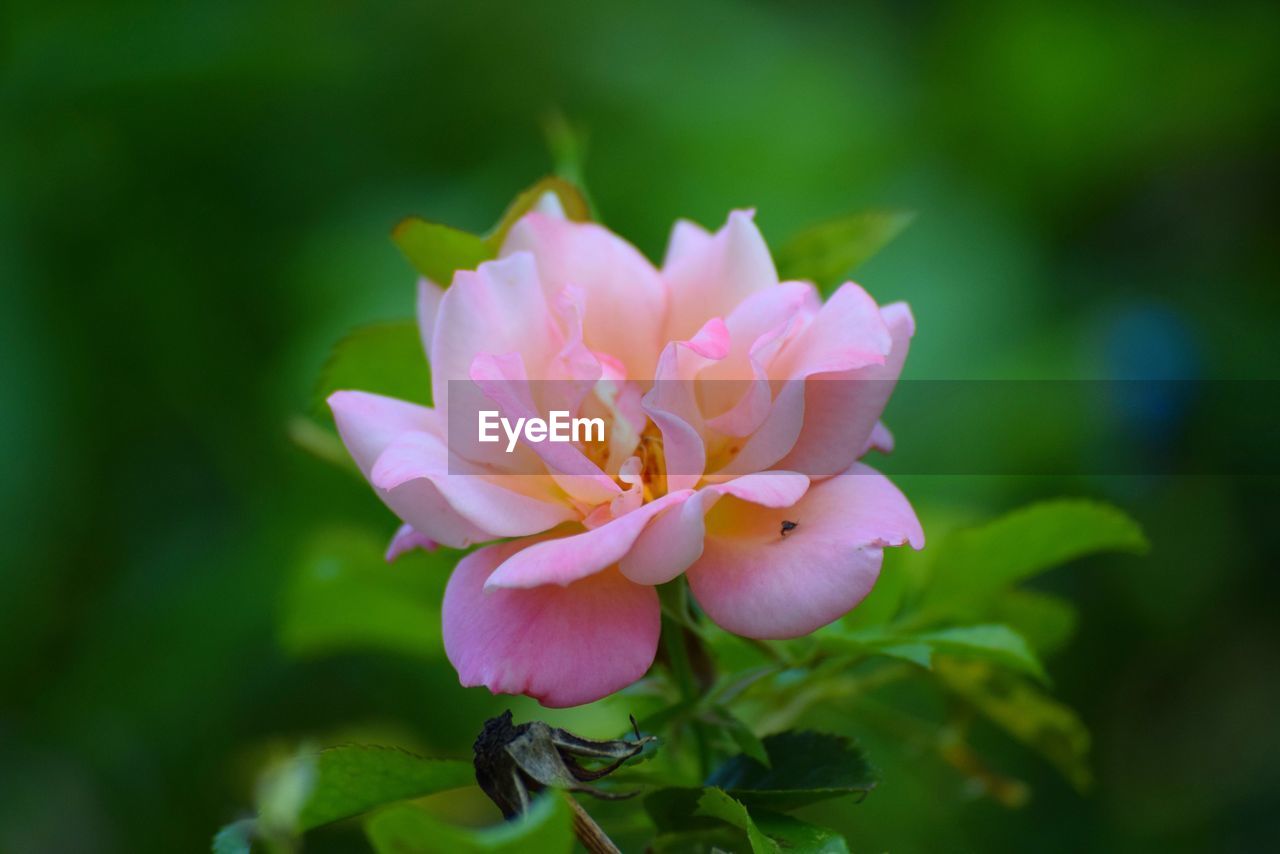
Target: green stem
675,643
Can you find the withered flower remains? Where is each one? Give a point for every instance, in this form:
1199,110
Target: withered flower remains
513,762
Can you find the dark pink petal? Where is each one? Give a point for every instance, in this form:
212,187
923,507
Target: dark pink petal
564,646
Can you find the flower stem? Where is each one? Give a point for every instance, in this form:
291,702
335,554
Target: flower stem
675,641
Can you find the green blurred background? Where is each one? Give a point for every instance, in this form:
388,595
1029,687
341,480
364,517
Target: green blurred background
195,200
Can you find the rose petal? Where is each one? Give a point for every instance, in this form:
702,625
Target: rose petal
755,581
674,539
842,409
564,646
710,277
565,560
626,300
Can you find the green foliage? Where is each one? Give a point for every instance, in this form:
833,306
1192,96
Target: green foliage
714,803
1047,726
235,838
356,778
828,252
974,565
383,358
406,829
345,596
804,768
573,203
437,251
991,642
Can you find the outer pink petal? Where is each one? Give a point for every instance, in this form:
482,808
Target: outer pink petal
674,539
406,539
568,559
710,277
847,333
626,301
564,646
754,581
842,409
498,508
497,308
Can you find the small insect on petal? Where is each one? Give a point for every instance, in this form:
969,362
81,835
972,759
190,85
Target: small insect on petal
787,527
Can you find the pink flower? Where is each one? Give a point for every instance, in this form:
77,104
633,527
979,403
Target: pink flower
730,454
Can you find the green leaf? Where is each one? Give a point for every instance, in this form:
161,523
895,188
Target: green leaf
976,564
235,838
1040,722
992,642
437,251
996,643
384,358
828,252
695,814
746,740
406,829
794,835
805,767
321,442
714,803
571,199
344,596
353,779
1046,621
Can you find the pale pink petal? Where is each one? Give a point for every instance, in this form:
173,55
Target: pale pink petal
368,423
673,540
406,539
686,238
565,560
755,581
672,401
847,333
625,299
498,308
565,646
491,503
503,381
842,409
709,278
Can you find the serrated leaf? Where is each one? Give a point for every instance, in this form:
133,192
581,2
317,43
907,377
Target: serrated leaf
828,252
805,767
235,838
1038,721
354,779
714,803
406,829
974,565
438,251
345,596
572,202
694,814
800,837
383,358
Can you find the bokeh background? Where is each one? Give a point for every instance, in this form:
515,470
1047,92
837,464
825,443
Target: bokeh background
194,205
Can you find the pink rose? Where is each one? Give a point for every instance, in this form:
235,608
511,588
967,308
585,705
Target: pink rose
730,452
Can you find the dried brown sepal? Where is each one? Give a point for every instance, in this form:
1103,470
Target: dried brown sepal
513,762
